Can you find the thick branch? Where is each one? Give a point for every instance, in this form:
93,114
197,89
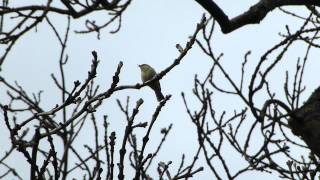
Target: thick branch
69,11
254,15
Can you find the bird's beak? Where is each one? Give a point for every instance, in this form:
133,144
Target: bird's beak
139,65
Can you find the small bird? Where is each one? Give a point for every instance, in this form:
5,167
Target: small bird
147,73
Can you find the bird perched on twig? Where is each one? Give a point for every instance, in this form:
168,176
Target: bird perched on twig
147,73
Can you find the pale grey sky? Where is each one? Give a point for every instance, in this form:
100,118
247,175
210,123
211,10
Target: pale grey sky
150,30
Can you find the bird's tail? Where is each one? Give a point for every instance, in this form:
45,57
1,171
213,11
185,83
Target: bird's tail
159,95
157,89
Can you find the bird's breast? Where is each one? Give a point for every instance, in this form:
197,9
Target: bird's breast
147,75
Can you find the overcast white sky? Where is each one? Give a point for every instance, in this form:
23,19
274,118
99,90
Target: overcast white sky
150,30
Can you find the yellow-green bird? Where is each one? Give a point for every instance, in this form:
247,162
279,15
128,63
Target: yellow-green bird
147,73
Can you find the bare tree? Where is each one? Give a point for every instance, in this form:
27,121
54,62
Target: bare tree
277,123
282,124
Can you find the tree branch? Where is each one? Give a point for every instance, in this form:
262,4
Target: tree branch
254,15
